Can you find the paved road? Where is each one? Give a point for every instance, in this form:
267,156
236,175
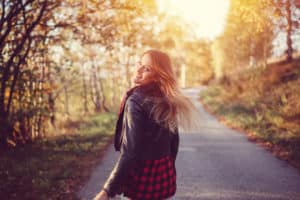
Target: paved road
218,163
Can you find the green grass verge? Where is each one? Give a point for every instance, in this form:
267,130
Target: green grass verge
263,123
53,168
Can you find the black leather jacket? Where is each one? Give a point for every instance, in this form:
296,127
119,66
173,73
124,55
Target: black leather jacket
142,138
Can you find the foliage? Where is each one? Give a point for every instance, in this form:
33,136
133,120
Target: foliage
55,53
287,21
252,31
264,102
22,106
248,34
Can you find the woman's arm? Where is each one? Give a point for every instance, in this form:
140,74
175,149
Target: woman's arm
134,121
175,144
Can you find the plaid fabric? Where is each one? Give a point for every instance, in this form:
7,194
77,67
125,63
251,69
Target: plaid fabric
152,179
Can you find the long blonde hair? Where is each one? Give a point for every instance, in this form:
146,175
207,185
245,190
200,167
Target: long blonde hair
175,109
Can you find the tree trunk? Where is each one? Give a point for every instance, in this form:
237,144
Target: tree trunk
4,129
265,58
128,77
289,31
95,88
103,96
66,101
85,101
51,103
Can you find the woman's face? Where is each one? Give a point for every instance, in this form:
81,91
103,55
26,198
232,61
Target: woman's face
144,72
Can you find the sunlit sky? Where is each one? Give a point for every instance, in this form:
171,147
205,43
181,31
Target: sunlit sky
208,16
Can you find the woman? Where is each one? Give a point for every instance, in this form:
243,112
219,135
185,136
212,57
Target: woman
147,133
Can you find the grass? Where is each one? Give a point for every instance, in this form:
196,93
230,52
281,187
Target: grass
53,168
263,103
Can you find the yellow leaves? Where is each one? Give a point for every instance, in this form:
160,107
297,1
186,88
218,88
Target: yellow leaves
250,14
283,98
278,121
249,30
48,87
290,125
259,117
7,92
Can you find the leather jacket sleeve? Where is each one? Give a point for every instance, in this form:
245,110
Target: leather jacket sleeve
175,144
134,120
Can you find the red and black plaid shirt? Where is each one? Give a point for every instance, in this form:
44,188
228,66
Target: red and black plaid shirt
152,179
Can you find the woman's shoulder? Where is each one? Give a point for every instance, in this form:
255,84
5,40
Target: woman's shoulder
142,99
135,99
149,90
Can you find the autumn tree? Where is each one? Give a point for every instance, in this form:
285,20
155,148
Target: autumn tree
21,83
288,17
248,34
44,45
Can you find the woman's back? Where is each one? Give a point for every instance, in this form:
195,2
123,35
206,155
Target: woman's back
155,140
146,168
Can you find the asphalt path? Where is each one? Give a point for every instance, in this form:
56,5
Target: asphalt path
217,163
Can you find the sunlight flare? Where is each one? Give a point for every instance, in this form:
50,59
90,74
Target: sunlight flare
208,17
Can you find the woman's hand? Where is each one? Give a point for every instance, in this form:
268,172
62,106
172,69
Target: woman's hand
101,196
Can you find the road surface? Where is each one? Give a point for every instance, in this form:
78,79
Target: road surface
217,163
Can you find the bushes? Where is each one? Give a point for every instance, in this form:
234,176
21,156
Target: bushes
265,102
54,167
